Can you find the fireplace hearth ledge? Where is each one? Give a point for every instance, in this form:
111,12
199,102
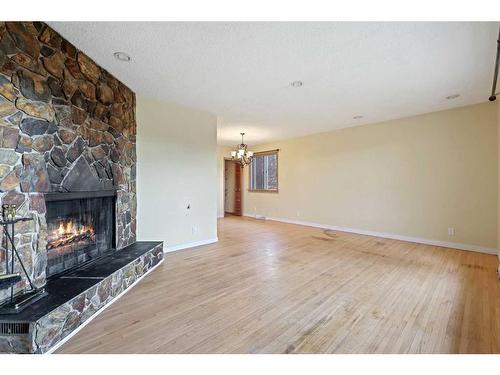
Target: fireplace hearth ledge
79,328
78,297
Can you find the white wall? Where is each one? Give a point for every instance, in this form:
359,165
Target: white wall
176,167
414,177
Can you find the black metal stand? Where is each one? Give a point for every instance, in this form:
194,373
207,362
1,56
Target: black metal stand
23,299
495,74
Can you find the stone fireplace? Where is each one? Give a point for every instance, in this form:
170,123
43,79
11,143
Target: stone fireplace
66,125
68,162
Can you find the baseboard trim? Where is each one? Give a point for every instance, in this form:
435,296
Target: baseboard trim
98,312
188,245
425,241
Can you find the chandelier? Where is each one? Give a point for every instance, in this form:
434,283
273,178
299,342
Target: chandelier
242,155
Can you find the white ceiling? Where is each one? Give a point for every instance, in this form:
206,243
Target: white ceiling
242,71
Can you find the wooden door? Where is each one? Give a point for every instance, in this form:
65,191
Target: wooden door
237,189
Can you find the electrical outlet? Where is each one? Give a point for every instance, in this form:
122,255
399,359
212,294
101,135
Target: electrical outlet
298,213
194,229
451,231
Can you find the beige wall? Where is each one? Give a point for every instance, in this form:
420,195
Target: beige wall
222,152
176,152
498,187
413,177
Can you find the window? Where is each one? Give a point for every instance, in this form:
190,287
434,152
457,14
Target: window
264,172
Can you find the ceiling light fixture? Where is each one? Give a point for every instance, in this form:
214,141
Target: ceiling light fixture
242,155
297,84
122,56
454,96
357,117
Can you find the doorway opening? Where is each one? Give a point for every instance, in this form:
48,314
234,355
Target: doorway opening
233,199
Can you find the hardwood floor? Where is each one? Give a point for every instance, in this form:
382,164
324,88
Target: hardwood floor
269,287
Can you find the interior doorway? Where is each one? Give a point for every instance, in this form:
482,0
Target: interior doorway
232,188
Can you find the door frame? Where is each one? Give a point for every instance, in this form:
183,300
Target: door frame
236,164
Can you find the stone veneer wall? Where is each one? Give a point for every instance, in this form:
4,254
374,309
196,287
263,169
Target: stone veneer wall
65,125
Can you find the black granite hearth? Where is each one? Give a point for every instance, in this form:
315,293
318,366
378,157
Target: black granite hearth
75,296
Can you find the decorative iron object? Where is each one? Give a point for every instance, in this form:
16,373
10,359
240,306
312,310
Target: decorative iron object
11,277
495,74
8,212
241,154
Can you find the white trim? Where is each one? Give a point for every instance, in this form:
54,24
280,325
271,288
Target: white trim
451,245
81,326
169,249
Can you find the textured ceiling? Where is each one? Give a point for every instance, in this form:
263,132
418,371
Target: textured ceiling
242,71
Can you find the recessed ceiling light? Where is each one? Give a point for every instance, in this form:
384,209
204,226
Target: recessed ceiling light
357,117
122,56
454,96
297,83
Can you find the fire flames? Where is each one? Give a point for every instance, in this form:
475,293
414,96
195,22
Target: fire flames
69,232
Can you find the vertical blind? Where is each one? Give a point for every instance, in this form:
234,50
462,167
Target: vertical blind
264,171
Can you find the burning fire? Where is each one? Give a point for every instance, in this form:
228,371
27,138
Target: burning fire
69,232
71,229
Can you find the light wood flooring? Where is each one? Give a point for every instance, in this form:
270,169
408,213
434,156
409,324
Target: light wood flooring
269,287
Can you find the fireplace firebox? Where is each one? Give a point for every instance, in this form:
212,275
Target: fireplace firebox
80,228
